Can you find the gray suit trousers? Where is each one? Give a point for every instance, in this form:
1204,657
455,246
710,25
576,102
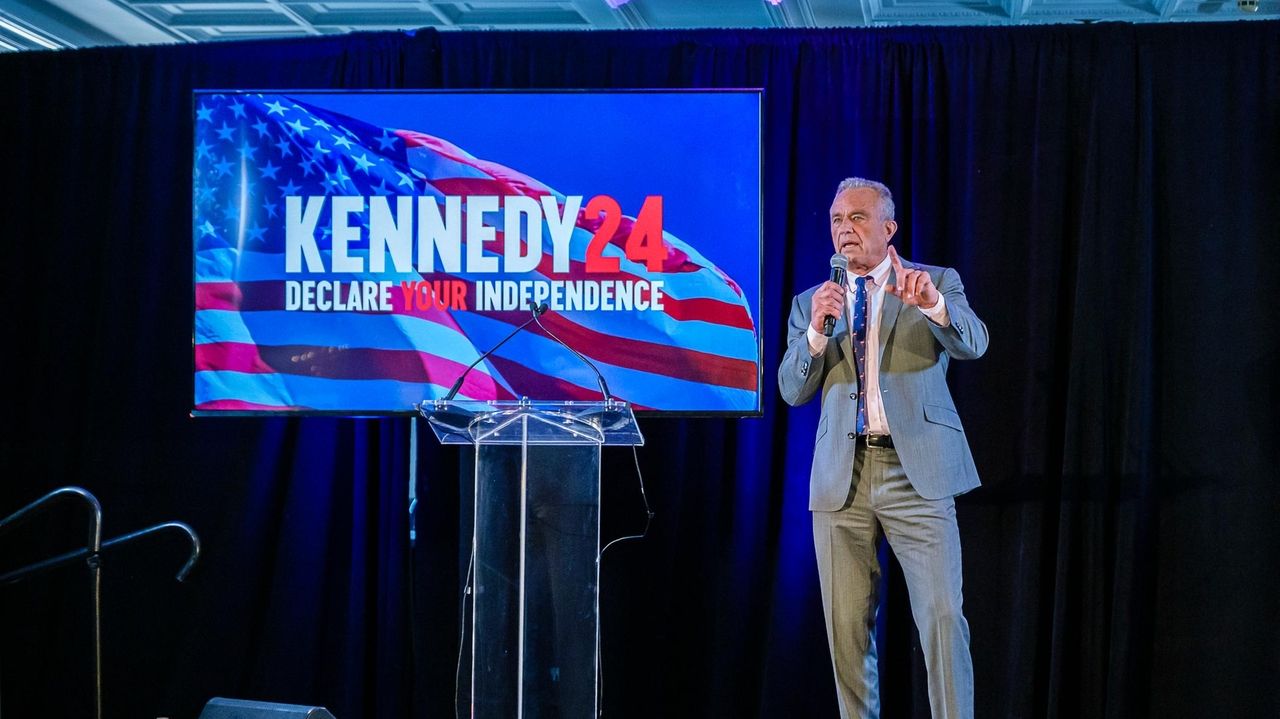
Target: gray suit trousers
926,541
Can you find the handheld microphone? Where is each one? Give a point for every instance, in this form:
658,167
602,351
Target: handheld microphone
839,268
458,384
604,386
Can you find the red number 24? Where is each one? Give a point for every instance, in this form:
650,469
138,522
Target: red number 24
644,244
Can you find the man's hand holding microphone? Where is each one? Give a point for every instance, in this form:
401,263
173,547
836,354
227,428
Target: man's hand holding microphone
828,302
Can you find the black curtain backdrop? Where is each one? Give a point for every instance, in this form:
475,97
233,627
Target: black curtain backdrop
1107,192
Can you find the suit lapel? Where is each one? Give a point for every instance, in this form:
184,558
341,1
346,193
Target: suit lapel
889,312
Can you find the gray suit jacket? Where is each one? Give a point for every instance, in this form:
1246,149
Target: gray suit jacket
914,354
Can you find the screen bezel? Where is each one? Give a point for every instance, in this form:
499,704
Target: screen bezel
411,411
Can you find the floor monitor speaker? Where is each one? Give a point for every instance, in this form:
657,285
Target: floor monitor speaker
219,708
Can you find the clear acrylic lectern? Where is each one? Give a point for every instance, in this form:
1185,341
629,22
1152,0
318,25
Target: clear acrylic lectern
535,542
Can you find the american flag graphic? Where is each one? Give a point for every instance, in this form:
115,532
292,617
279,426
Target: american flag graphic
699,353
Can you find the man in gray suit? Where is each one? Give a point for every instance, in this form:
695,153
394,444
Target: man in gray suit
890,453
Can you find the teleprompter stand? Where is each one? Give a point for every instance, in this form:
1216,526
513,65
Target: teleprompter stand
536,539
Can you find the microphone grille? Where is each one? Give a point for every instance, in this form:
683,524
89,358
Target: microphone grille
840,261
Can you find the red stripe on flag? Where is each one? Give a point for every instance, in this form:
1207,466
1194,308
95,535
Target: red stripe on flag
268,295
518,181
234,356
704,309
553,388
675,261
345,364
242,406
265,295
654,357
465,186
222,296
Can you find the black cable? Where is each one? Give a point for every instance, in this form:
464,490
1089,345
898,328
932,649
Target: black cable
457,385
604,386
647,522
462,633
647,510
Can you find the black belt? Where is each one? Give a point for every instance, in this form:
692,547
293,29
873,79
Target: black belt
876,440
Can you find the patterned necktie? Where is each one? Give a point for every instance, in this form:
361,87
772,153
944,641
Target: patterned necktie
860,347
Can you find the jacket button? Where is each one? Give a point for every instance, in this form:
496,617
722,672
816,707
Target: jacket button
853,395
852,435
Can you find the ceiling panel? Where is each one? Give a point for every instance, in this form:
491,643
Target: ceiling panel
44,24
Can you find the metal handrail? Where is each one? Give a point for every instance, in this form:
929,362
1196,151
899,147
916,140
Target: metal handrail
91,554
93,547
78,554
95,526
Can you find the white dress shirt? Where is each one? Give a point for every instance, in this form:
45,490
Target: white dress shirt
877,278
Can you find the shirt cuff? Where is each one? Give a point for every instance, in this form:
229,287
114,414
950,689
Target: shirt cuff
817,341
936,314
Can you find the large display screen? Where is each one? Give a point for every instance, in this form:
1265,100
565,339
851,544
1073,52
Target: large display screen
356,251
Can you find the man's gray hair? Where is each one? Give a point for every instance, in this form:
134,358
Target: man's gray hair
886,197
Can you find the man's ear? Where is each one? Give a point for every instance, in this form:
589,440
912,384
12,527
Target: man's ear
890,229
